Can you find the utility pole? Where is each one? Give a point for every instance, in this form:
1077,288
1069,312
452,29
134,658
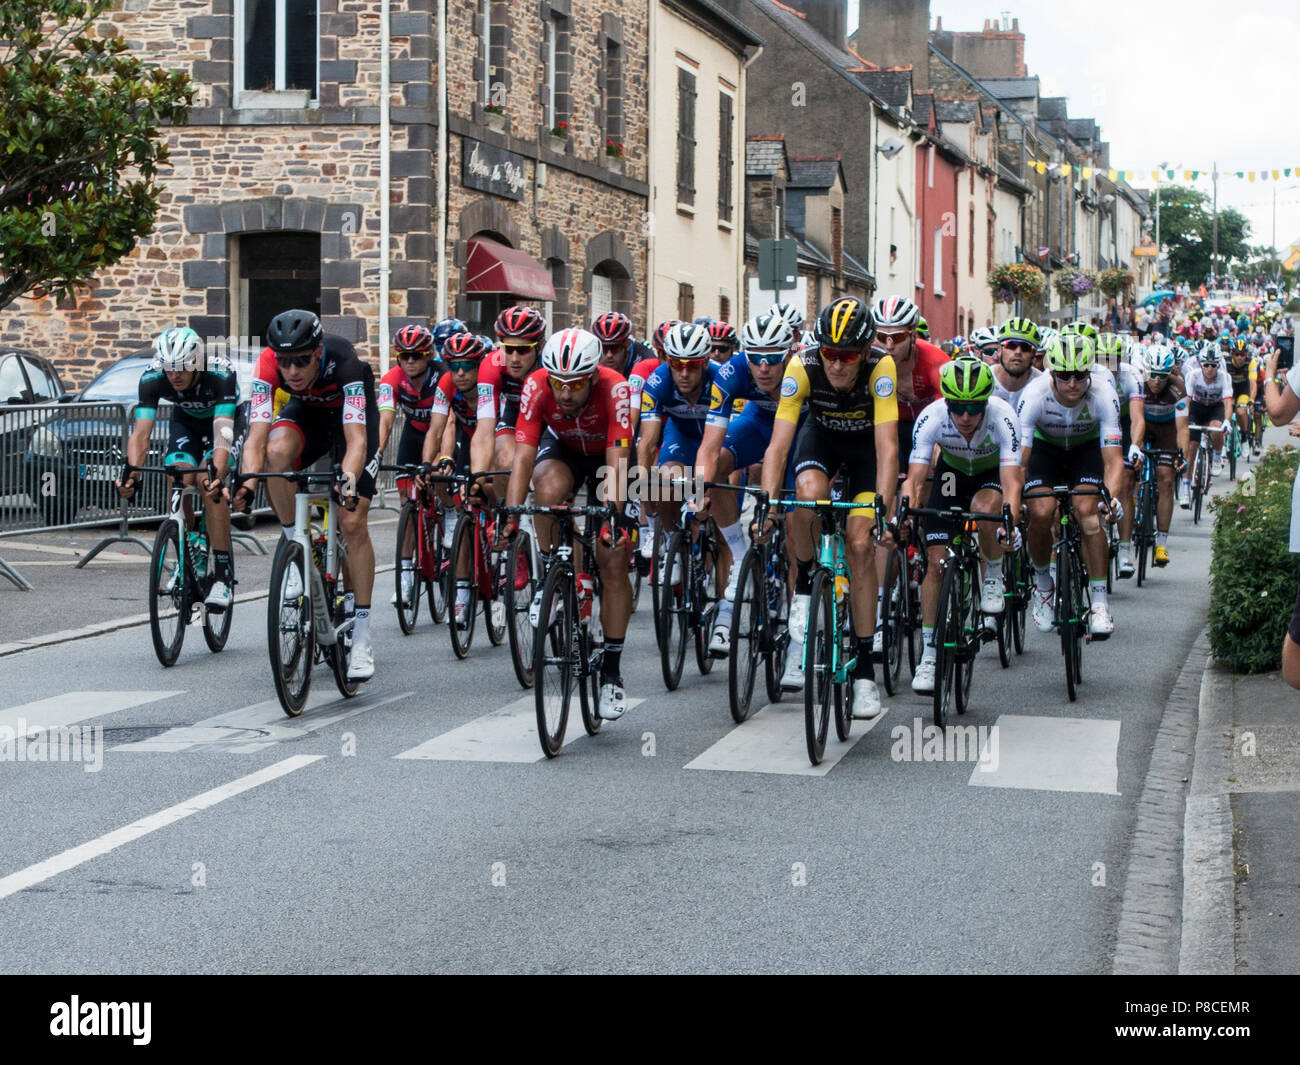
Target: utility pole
1214,255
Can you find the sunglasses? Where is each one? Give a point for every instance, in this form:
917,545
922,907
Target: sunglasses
412,356
517,349
462,365
1019,345
991,350
966,408
841,355
885,337
298,362
686,364
1071,375
1158,376
765,358
568,384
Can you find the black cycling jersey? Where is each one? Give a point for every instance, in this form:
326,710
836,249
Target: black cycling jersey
214,394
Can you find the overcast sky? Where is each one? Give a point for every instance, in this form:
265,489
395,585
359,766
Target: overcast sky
1189,83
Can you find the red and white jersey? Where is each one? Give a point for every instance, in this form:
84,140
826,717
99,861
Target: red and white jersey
600,423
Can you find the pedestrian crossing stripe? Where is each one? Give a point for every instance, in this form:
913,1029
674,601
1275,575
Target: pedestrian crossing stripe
70,708
773,741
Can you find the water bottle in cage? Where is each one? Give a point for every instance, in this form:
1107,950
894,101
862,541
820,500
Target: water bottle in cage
586,592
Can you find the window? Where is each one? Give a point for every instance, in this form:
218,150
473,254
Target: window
725,179
685,303
612,92
602,295
938,261
929,168
278,46
990,240
685,136
837,240
970,242
43,386
549,114
724,309
485,51
13,385
277,272
916,252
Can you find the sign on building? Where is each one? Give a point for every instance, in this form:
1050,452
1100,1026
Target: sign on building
491,169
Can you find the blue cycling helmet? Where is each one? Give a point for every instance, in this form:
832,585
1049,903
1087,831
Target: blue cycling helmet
444,329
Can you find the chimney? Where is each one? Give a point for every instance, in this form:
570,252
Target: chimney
828,17
896,33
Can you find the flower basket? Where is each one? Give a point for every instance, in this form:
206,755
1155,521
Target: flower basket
560,129
613,148
1072,284
1116,280
1012,281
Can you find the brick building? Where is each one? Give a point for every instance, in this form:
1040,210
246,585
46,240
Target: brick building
273,198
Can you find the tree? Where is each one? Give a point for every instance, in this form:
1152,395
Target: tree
79,144
1187,231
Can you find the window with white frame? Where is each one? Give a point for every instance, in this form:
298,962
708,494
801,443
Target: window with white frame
551,31
938,261
278,48
485,12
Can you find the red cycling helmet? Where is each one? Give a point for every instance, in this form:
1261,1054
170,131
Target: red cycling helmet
461,346
520,323
413,338
612,327
723,333
661,331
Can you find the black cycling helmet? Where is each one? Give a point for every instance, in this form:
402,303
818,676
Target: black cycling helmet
294,331
845,323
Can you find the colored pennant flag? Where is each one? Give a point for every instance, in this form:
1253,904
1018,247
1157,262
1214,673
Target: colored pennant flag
1155,175
1065,170
1241,173
1171,174
1195,174
1287,171
1113,175
1274,175
1251,174
1042,252
1187,175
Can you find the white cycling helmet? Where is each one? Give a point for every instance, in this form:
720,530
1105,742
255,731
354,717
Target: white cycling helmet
767,331
791,314
983,338
895,312
178,349
687,340
571,353
1160,359
807,339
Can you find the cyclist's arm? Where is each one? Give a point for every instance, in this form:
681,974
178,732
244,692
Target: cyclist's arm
706,459
1112,459
354,457
482,444
647,453
1137,421
521,473
137,447
776,456
917,472
886,463
387,416
432,448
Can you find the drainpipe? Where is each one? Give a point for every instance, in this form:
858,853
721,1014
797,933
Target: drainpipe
441,249
385,146
738,195
651,127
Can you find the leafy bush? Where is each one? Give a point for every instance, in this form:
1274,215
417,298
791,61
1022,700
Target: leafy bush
1252,573
1293,306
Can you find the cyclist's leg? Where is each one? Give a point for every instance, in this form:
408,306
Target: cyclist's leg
555,479
298,438
355,530
1044,462
409,448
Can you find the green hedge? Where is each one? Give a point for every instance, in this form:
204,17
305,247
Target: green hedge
1252,574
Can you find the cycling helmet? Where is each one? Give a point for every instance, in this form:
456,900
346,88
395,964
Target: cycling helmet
983,338
959,343
966,380
446,328
661,331
1110,345
1225,343
464,346
948,348
845,323
806,338
1020,329
723,333
178,349
1081,329
767,331
1239,344
571,353
1045,336
1160,360
520,323
791,314
291,331
1070,352
703,320
895,312
687,340
923,329
612,327
413,338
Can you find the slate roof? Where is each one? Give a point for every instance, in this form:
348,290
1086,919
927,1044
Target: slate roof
894,87
955,110
1012,88
810,173
763,156
921,104
1053,107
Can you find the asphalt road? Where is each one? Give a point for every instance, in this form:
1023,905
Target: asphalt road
418,828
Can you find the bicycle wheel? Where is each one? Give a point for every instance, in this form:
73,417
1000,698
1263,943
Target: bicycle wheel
970,639
1199,478
1082,613
1065,616
216,625
290,635
553,651
915,635
672,609
748,632
588,680
1004,636
1011,576
434,560
634,571
843,691
1141,547
819,659
521,586
496,566
1112,556
657,570
339,656
776,636
462,561
1234,446
703,606
893,619
406,526
947,637
169,594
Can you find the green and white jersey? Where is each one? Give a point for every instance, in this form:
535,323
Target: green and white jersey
1005,394
995,441
1093,420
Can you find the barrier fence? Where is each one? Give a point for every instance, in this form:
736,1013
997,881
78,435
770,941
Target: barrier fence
59,461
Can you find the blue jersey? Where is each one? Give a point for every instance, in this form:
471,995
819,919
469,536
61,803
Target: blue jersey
661,401
734,388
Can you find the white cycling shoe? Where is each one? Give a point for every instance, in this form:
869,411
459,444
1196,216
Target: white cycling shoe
798,623
720,642
292,583
1100,623
361,662
1125,562
219,597
866,700
923,681
612,703
1044,610
992,595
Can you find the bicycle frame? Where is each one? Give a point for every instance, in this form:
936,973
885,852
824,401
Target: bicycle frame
832,557
314,589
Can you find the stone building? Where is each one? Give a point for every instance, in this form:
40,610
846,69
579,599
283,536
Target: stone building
273,197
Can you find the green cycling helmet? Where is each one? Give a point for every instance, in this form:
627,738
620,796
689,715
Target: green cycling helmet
1070,352
1019,329
1081,329
966,380
1110,344
923,329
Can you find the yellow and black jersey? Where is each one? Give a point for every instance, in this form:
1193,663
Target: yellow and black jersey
871,400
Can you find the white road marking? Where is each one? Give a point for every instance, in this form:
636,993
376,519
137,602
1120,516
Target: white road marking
1054,754
254,728
71,707
70,859
505,735
773,742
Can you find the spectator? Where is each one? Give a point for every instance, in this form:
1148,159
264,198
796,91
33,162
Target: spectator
1283,403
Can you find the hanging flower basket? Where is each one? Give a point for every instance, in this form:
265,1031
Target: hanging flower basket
1116,280
1019,280
1072,284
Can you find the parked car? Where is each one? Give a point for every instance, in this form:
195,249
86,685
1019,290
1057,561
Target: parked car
25,380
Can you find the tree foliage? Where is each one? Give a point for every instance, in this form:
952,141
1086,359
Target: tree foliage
1187,231
79,144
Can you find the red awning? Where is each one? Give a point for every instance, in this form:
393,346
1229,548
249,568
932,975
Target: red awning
492,267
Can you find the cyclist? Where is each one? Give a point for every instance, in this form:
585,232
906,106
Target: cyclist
1209,402
1128,385
978,469
411,384
1015,367
445,329
1046,335
331,408
791,314
742,409
723,341
501,376
618,350
984,342
203,398
572,428
1069,424
1243,373
852,408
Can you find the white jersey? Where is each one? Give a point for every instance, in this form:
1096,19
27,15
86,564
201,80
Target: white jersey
995,441
1095,418
1128,384
1006,395
1208,393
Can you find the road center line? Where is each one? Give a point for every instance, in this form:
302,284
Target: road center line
70,859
